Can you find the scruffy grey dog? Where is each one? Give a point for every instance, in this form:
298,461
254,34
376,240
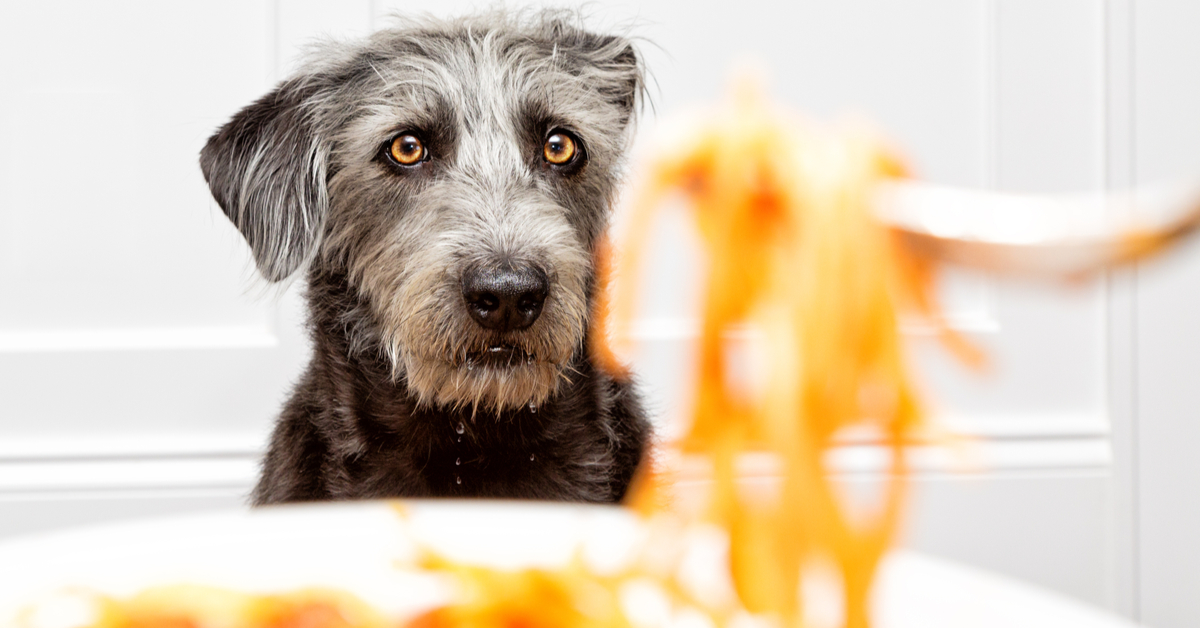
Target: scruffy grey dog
444,184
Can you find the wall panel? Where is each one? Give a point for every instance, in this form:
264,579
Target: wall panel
135,341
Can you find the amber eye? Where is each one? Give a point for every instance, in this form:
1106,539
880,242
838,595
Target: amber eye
407,149
559,149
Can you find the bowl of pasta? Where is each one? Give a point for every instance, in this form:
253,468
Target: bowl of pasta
446,563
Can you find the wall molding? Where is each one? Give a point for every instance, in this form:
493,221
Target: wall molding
46,448
136,339
123,475
38,466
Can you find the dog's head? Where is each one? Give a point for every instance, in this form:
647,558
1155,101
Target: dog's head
458,174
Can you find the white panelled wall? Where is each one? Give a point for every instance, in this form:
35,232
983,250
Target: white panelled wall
141,364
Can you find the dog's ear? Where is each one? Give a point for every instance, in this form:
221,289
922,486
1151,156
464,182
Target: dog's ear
267,170
629,88
610,63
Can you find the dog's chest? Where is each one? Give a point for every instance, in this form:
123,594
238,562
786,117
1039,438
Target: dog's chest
521,456
475,465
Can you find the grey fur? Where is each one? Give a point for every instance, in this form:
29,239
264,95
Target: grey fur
303,175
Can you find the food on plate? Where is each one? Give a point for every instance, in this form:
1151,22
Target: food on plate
189,606
529,598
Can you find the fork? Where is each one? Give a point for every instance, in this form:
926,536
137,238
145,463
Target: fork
1039,236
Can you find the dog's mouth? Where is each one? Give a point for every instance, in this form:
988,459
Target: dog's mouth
499,356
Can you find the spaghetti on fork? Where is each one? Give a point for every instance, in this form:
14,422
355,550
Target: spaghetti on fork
783,208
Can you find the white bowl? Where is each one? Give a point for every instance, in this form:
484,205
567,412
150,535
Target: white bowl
362,547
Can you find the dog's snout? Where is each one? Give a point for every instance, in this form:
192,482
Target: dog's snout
506,298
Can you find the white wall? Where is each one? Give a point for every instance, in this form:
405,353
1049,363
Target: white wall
141,366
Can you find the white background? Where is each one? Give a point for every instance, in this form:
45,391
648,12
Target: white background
141,364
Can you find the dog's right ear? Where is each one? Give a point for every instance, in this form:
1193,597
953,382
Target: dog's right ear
267,170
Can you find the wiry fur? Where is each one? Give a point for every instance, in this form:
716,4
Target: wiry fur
394,372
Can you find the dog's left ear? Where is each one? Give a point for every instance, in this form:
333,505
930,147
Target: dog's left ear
267,170
631,84
614,67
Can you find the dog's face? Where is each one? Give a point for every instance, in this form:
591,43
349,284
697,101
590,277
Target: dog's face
458,174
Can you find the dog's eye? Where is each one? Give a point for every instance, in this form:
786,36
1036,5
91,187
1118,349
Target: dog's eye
559,149
407,149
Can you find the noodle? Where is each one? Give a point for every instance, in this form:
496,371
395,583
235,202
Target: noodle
783,211
189,606
531,598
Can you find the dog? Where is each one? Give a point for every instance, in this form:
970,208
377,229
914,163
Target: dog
444,186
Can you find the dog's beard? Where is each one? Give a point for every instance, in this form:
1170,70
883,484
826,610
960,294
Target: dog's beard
482,384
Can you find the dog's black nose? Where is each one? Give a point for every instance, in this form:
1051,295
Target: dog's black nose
505,298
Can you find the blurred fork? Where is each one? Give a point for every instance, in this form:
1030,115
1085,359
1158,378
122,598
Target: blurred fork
1050,236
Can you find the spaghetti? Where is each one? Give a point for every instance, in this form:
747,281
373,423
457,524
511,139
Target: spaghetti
784,213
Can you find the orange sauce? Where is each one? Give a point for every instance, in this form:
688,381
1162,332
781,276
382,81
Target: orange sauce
189,606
